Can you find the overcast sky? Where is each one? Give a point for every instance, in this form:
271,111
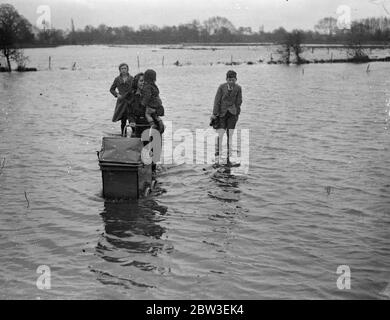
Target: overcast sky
290,14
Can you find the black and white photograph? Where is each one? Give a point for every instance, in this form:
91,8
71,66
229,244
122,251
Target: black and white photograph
209,150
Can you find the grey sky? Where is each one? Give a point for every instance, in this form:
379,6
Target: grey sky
290,14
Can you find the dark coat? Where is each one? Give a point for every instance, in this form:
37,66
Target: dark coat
136,109
124,88
151,96
227,100
151,93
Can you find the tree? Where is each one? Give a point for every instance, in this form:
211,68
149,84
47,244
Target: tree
51,37
279,35
327,26
14,30
21,60
296,38
214,25
245,31
285,53
292,44
355,49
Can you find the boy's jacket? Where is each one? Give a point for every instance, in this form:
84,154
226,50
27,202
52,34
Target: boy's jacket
227,100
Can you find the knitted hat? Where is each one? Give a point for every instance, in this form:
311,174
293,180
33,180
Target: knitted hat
150,76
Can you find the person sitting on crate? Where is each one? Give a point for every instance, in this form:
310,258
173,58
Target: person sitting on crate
120,89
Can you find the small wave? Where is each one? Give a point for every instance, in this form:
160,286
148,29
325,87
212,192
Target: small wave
107,278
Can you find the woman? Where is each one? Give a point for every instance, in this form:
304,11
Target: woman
121,89
136,111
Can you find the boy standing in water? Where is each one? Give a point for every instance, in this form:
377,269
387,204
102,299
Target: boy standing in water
227,108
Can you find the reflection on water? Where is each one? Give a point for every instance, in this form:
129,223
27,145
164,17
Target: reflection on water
133,238
228,184
125,221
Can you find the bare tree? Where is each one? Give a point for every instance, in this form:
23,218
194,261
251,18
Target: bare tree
292,44
217,24
21,60
296,40
355,49
14,30
285,53
327,26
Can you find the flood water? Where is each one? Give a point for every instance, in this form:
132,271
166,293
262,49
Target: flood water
316,195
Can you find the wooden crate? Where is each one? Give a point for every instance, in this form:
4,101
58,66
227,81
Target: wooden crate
125,181
124,174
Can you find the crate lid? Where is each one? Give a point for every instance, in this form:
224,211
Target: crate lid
121,150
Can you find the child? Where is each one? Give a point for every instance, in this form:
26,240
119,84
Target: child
124,84
151,100
227,108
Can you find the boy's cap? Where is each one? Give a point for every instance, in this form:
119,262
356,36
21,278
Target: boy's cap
231,74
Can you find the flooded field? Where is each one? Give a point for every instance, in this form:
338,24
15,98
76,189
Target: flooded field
316,196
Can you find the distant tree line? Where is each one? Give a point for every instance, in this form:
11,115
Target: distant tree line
17,32
217,30
213,30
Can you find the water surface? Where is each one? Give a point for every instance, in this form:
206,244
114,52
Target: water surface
317,194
